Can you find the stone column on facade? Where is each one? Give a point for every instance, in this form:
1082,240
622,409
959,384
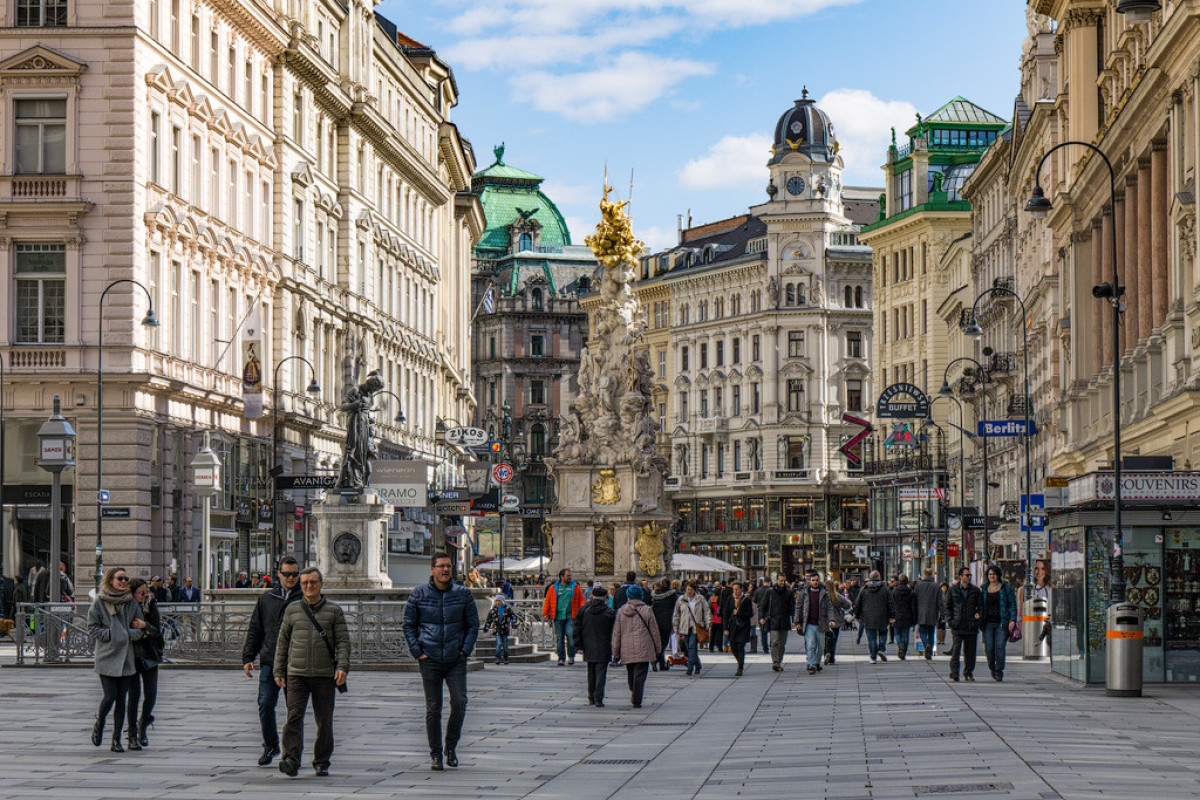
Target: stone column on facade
1119,259
1145,280
1106,266
1158,231
1099,239
1129,264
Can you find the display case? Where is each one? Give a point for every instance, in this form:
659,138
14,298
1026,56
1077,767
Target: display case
1181,603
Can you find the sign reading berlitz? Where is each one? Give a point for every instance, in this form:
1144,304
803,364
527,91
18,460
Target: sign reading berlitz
401,484
1135,486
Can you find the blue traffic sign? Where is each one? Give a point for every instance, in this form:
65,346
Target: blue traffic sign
1034,513
1005,427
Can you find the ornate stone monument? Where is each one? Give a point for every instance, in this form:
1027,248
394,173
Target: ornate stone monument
351,522
608,475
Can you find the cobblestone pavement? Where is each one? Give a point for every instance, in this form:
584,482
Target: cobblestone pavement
855,730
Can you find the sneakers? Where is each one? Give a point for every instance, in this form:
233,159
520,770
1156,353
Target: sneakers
322,771
882,657
812,670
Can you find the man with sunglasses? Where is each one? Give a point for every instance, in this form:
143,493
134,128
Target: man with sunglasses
260,643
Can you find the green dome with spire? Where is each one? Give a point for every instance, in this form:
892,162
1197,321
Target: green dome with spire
510,195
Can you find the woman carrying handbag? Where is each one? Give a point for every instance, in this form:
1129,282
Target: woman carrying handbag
147,655
115,623
691,621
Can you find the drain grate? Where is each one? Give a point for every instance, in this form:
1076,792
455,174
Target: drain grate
930,735
961,788
614,761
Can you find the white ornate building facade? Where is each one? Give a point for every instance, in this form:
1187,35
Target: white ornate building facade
292,162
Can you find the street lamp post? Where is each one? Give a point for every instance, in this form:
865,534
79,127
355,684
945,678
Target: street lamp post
313,388
206,477
974,331
150,321
984,378
962,456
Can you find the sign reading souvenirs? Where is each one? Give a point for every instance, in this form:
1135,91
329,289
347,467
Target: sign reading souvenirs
284,482
893,405
1135,486
1006,427
851,449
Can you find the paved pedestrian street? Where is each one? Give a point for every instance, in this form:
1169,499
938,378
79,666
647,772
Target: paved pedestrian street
855,730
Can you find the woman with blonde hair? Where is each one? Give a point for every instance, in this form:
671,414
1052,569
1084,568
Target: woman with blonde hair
115,623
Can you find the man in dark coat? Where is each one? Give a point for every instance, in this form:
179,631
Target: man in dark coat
261,637
904,614
619,595
662,603
928,609
593,635
873,609
777,618
964,617
760,604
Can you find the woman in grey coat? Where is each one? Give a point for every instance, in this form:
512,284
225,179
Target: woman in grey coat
115,623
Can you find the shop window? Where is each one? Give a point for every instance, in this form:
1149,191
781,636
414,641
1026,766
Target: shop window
797,514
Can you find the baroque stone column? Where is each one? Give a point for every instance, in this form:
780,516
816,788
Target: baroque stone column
1146,287
1158,230
1129,264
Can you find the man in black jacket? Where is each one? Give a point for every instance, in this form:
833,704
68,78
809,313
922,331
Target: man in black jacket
619,595
964,617
593,635
759,599
928,610
777,618
873,608
260,643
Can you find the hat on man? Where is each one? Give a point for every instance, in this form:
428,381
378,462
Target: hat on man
634,593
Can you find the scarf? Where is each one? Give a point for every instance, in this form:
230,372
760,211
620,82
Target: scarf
113,600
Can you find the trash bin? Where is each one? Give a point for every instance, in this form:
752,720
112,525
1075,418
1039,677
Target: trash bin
1034,614
1123,674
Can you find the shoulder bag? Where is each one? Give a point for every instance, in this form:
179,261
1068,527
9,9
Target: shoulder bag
662,662
701,631
328,644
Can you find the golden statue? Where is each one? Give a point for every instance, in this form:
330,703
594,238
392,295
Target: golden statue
548,541
606,491
649,547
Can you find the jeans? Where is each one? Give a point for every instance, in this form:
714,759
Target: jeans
564,632
637,680
116,690
322,690
692,645
814,644
143,683
766,638
778,645
454,674
926,634
501,646
995,640
268,696
902,635
876,641
597,676
963,643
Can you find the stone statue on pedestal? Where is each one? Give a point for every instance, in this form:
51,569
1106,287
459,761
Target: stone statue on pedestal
358,403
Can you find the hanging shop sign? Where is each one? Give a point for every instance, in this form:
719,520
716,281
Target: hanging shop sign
1135,486
401,484
252,388
1005,427
902,401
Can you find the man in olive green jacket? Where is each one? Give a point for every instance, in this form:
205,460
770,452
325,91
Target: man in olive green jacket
308,664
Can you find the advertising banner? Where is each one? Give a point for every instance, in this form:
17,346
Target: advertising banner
401,484
252,387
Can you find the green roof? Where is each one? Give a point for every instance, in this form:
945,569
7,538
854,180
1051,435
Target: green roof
506,193
500,170
959,111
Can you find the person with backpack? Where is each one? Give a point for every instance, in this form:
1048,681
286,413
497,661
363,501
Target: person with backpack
593,635
499,621
873,609
635,642
904,614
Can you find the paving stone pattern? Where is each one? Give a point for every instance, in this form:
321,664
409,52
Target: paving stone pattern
855,730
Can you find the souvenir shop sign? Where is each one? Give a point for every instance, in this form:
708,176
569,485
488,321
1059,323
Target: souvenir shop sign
1101,486
902,401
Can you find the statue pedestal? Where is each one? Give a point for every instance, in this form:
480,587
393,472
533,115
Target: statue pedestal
352,543
609,521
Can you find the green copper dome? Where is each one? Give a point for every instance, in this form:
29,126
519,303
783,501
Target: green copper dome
509,194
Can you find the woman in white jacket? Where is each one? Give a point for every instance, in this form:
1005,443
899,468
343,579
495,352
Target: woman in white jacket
692,615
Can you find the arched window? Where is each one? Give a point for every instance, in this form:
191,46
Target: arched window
791,294
849,297
858,297
537,440
525,242
536,298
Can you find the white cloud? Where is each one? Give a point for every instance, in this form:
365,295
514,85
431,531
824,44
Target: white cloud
863,123
579,227
656,237
734,161
628,83
568,194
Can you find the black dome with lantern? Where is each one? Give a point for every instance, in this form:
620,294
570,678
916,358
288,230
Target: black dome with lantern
806,129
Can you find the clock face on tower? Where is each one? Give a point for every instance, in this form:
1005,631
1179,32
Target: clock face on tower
795,185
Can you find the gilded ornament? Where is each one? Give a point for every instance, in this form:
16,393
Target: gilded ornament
606,491
649,547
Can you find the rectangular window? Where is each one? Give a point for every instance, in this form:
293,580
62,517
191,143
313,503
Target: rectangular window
537,392
683,359
298,229
704,403
249,225
537,346
194,189
41,136
248,88
153,147
41,283
737,350
737,455
795,344
795,452
492,347
176,158
231,66
264,231
214,182
265,102
155,12
175,26
214,324
704,355
176,310
662,363
755,350
155,282
854,396
297,116
194,50
795,394
736,401
718,402
755,398
194,318
720,353
492,394
231,211
854,344
214,47
904,190
683,405
41,13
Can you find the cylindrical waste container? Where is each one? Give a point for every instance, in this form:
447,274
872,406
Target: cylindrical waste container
1034,614
1123,673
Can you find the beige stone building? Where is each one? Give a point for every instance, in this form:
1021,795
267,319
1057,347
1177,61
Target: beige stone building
292,162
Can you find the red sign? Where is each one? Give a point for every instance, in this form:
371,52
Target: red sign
952,550
847,449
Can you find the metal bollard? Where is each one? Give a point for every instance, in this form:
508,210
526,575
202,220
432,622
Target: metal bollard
1123,657
1034,614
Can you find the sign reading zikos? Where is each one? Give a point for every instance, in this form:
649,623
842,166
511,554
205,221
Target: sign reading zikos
1135,486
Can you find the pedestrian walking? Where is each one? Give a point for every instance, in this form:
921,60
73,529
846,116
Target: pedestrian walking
760,612
261,637
499,621
161,595
563,600
172,589
115,623
635,641
893,582
873,609
716,636
904,614
840,607
593,635
692,622
619,597
66,590
243,581
814,614
777,618
943,593
147,655
312,657
739,625
999,619
189,593
928,610
441,625
662,603
964,616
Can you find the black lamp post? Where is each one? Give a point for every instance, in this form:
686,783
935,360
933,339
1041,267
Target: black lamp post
1138,11
150,321
1039,205
946,391
313,388
962,456
399,419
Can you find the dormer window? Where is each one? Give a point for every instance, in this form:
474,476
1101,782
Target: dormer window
524,243
536,299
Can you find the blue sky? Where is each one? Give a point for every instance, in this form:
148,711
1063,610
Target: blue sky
686,93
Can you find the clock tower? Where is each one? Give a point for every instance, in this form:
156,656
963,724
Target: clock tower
805,165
